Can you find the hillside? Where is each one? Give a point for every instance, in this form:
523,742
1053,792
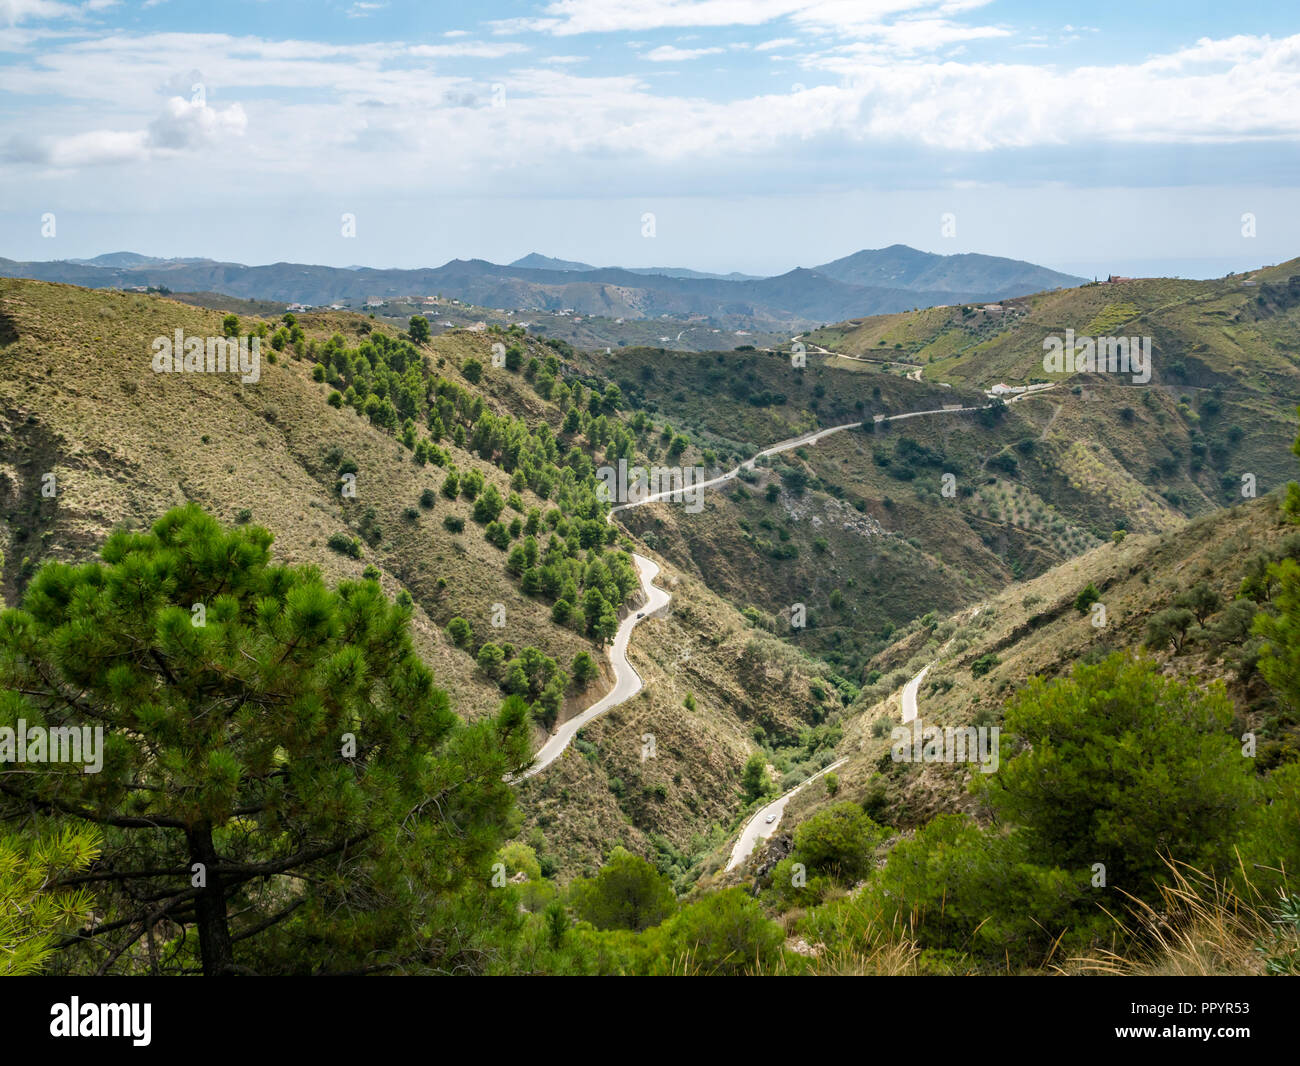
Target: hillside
473,457
899,265
1033,629
872,528
79,400
1237,333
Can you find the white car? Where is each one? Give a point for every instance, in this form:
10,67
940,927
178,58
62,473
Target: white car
770,819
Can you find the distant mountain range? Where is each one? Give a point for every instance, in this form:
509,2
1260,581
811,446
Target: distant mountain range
880,281
537,261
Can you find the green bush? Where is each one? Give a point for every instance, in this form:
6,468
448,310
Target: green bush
984,664
627,893
345,545
838,841
459,631
1086,598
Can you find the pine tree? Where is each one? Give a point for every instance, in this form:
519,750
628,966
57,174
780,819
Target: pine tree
32,912
280,773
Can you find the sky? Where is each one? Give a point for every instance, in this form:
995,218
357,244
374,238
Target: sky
748,135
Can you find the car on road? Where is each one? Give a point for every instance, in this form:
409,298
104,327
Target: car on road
641,614
770,819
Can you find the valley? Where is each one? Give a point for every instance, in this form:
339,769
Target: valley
858,538
659,489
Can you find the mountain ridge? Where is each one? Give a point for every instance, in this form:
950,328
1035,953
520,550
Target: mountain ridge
796,300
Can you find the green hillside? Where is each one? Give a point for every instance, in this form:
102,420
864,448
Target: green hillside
401,536
79,400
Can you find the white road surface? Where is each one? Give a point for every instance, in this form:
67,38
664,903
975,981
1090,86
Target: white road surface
758,828
813,438
909,694
627,682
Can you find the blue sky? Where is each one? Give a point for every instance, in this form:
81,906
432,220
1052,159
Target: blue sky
759,134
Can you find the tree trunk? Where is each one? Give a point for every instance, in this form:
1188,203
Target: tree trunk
215,948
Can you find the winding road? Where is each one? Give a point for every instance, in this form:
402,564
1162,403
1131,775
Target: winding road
627,682
758,828
808,438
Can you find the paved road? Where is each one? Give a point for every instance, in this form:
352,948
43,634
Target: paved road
627,682
813,438
758,828
909,694
914,686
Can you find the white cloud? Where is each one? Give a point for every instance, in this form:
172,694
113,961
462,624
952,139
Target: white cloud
186,124
565,17
331,115
15,11
908,37
779,42
468,49
666,53
1233,90
182,125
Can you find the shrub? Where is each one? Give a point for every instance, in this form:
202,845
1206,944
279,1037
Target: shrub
1084,601
345,545
627,893
584,668
1168,628
754,778
983,664
459,631
839,841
